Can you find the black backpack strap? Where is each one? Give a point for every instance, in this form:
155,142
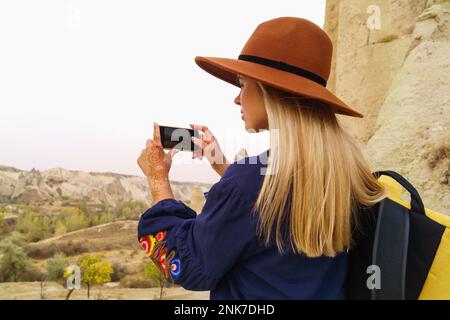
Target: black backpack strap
416,202
390,250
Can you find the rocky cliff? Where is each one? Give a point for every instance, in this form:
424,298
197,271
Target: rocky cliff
36,186
392,63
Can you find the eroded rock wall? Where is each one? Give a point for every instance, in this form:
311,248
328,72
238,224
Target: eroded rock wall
397,74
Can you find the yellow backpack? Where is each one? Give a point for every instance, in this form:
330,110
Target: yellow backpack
402,250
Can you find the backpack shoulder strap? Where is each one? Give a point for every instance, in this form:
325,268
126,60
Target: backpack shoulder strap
390,250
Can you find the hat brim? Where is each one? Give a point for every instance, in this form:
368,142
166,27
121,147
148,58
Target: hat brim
227,69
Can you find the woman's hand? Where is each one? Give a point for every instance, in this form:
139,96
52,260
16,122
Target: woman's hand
209,146
155,164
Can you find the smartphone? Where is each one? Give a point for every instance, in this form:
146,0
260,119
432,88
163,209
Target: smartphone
178,138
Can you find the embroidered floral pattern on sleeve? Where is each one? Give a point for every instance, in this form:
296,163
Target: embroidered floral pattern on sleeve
167,262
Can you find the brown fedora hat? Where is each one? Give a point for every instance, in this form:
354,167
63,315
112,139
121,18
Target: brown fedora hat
288,53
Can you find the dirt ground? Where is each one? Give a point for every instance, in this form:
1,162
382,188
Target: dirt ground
55,291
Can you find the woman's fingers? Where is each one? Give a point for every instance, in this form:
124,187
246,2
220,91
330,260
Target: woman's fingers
156,135
200,142
200,127
205,129
206,138
196,126
206,134
173,152
140,156
197,153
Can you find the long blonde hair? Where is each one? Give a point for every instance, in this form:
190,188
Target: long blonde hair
321,180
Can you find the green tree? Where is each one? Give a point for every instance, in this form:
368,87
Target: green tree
60,228
94,270
34,226
94,220
130,209
14,262
5,210
83,206
105,218
74,218
151,272
56,267
127,212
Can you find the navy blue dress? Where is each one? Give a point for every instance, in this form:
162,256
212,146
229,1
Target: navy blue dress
219,250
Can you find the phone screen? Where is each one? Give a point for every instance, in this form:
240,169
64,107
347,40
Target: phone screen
178,138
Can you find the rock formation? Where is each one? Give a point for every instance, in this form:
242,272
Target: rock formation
392,63
37,187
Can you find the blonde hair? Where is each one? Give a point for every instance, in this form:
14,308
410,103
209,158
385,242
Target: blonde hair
322,178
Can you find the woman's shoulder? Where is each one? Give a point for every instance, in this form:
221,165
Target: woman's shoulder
246,174
247,165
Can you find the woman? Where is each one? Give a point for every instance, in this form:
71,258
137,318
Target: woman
282,235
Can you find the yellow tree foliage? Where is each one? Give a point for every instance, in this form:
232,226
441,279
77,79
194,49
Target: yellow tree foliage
94,270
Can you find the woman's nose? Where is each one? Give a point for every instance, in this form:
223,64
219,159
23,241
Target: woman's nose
237,100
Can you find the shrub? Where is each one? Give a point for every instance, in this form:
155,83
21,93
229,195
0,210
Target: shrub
130,209
14,262
32,274
56,267
69,248
74,219
34,226
152,273
134,281
119,271
74,248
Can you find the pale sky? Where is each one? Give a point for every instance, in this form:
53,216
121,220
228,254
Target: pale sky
81,82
